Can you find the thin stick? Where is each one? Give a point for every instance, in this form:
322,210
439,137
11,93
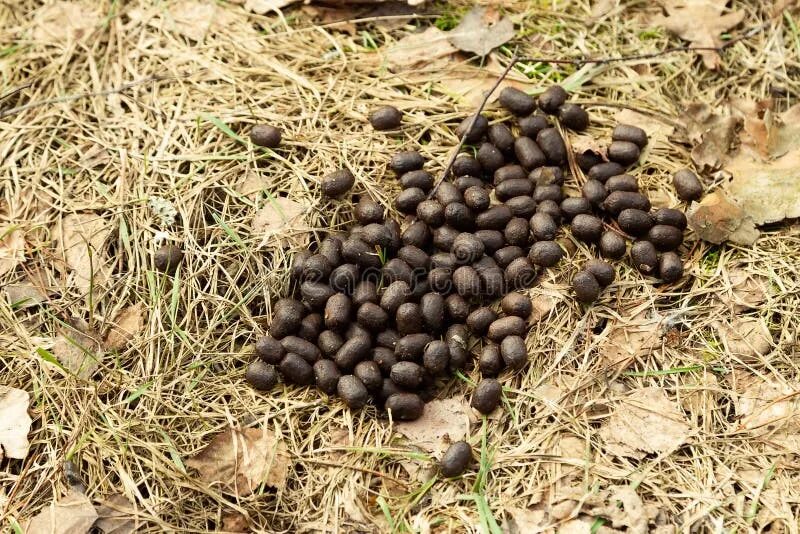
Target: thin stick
482,105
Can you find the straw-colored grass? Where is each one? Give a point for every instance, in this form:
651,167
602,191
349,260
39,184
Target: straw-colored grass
109,153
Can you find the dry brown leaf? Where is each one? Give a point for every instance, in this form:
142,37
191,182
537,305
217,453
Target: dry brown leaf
74,514
64,22
252,184
443,421
261,7
770,406
80,240
281,222
25,295
766,171
628,339
12,248
418,50
700,22
471,83
235,522
581,144
625,509
601,8
126,325
657,131
718,218
78,350
15,423
645,421
745,337
712,134
194,19
523,520
747,291
542,306
239,460
117,515
480,32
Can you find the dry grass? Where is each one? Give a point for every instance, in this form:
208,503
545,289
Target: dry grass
109,154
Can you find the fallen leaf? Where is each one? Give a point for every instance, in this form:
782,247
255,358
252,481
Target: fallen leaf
471,83
601,8
78,350
117,515
126,325
64,22
479,33
337,18
191,19
745,337
625,509
443,422
24,295
542,306
747,291
416,50
718,218
699,395
261,7
700,22
583,144
235,522
281,222
74,514
12,248
241,460
657,131
712,135
550,396
629,338
15,423
80,240
252,184
766,178
770,406
645,421
523,520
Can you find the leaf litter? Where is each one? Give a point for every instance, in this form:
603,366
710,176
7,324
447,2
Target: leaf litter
701,22
12,248
74,514
481,30
645,421
240,460
630,338
78,350
117,515
281,222
80,241
745,337
444,421
126,325
15,423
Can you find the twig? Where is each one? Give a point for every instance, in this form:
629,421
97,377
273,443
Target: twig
69,98
482,105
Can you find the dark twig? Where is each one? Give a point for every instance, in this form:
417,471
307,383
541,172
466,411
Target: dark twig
69,98
482,105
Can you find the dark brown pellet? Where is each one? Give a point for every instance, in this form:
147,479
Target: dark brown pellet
459,216
621,200
546,176
594,192
586,287
622,182
671,217
367,211
261,375
431,306
411,347
630,133
315,295
508,172
296,370
551,192
408,199
475,133
490,362
372,317
670,267
297,263
513,188
369,373
687,185
384,357
168,257
486,396
467,248
500,135
549,207
337,183
431,212
495,218
303,348
354,350
376,235
415,257
513,352
490,158
543,226
573,117
520,273
316,268
385,118
405,406
602,271
444,237
552,99
644,257
545,253
456,459
364,292
420,179
356,251
326,376
506,255
479,320
466,165
516,304
491,239
447,193
407,375
552,144
417,234
352,391
587,228
477,198
394,295
517,232
516,101
587,159
443,260
310,327
612,245
506,326
623,152
440,280
269,349
634,222
329,342
466,281
456,308
456,339
409,319
407,161
388,338
532,125
265,135
522,206
665,237
436,357
337,312
572,206
529,154
356,330
603,171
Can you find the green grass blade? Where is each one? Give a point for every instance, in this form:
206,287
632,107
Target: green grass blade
216,121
